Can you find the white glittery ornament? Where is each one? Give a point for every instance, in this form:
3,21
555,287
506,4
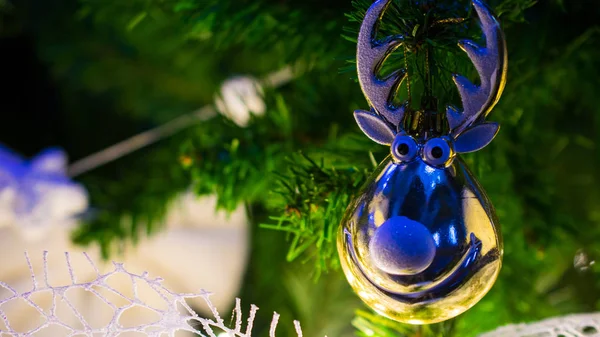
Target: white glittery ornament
579,325
241,97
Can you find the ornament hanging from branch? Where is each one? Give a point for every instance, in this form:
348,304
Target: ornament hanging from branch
240,98
420,243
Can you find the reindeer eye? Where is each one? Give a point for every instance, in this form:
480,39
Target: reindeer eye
404,148
438,152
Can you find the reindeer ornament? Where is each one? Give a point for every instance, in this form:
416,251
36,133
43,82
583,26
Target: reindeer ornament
421,243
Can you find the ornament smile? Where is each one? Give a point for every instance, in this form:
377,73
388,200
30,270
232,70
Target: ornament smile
468,265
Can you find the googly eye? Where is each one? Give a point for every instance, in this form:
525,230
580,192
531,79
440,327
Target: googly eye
438,152
404,148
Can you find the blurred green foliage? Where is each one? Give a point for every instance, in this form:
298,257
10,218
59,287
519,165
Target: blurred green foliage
125,66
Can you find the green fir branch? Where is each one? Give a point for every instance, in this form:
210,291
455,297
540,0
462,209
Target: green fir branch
312,200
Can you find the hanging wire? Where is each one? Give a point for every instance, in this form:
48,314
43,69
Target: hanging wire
139,141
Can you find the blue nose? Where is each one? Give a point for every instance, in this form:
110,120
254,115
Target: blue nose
402,246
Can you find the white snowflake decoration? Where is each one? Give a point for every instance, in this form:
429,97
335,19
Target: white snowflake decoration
53,309
579,325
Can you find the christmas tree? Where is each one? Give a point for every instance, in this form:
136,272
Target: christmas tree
86,74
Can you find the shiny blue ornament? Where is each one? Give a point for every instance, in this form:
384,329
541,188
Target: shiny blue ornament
421,243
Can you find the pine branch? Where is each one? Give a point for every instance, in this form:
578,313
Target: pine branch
132,210
313,199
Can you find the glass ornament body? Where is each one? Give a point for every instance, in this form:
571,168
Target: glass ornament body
451,204
421,243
